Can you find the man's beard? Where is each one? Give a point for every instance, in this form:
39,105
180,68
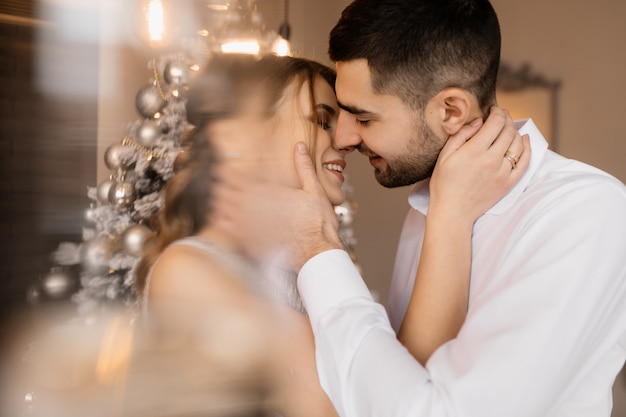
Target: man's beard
418,161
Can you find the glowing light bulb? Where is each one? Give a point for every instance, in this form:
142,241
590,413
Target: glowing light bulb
154,17
152,22
241,47
281,47
162,24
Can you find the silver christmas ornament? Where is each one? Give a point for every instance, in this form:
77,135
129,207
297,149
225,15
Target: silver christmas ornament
95,255
176,73
112,157
90,213
134,238
148,133
57,284
345,214
149,101
102,192
122,195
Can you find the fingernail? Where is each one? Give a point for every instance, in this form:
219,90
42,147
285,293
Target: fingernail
476,122
301,147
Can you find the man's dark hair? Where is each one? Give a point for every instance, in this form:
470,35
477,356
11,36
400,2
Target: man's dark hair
416,48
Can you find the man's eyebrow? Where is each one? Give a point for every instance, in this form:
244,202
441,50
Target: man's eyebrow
353,110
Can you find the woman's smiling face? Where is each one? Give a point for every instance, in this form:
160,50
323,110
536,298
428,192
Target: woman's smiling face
264,146
313,121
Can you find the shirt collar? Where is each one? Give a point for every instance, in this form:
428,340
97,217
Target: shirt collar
420,195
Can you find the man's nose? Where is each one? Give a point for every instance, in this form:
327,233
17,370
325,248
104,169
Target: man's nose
346,139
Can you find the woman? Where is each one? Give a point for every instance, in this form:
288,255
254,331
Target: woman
249,113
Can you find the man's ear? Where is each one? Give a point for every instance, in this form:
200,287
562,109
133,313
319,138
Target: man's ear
451,109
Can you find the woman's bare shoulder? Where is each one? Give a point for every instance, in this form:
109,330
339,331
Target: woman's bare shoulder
190,272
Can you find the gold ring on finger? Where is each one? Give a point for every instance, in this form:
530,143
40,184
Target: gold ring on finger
510,156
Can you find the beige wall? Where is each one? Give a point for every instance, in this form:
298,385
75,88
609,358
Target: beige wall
583,44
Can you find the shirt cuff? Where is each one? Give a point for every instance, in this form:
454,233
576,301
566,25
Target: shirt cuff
327,280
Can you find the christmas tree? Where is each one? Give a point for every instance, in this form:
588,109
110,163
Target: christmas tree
118,219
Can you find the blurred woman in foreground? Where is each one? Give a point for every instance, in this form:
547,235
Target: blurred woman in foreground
247,112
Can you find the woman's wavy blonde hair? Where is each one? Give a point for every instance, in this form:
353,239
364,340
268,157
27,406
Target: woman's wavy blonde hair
220,91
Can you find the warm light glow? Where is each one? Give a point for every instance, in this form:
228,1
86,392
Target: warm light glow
219,7
281,47
154,15
115,351
241,47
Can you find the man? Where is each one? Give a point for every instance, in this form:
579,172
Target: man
545,332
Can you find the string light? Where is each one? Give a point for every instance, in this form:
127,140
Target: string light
281,46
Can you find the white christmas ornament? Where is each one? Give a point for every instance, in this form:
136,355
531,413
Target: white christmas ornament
95,255
57,284
90,213
345,214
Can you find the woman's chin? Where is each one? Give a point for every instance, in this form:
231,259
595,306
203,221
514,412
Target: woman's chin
336,198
